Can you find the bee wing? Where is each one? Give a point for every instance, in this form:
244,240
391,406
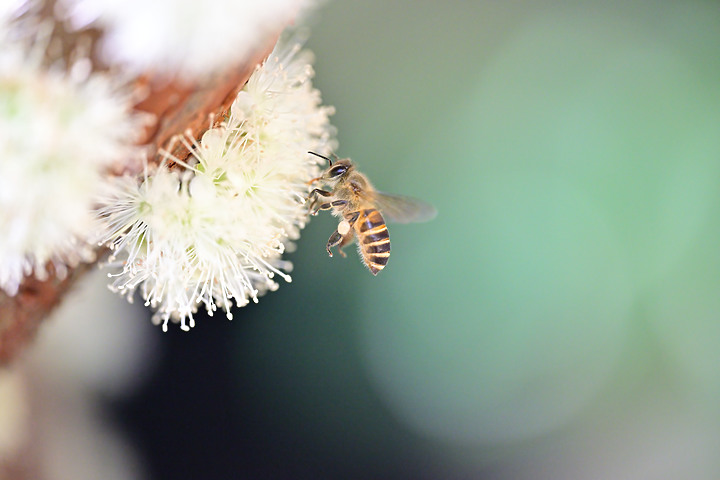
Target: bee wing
401,209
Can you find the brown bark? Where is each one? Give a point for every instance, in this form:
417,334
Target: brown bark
178,107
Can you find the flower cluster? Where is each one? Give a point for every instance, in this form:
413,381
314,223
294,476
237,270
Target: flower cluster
209,229
60,129
212,230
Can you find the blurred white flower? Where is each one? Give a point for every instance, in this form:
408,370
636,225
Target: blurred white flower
53,419
14,413
88,343
59,131
8,9
185,37
214,231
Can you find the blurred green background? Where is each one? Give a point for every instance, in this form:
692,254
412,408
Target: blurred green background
559,318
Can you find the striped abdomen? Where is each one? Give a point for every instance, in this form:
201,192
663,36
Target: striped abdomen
373,239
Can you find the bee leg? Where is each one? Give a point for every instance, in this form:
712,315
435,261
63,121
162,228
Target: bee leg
346,228
328,206
316,191
312,198
343,243
313,195
337,239
334,239
352,217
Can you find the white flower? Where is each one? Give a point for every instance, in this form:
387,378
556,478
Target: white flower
14,413
8,10
59,131
213,232
188,38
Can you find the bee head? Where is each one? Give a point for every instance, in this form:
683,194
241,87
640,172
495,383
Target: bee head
335,171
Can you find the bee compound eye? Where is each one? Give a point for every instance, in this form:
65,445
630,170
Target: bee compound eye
337,171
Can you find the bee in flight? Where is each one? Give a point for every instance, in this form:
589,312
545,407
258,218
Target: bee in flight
363,211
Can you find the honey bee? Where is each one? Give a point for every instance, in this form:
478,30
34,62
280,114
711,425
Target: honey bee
363,211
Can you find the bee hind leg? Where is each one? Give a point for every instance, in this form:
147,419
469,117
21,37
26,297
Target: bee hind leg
344,231
342,236
334,240
340,241
343,243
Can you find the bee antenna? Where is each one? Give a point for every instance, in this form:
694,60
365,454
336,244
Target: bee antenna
323,157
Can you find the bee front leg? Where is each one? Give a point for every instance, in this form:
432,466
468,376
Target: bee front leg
312,198
316,191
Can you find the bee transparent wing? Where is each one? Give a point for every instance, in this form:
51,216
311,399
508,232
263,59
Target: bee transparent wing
401,209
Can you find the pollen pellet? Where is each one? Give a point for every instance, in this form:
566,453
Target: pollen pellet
343,227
